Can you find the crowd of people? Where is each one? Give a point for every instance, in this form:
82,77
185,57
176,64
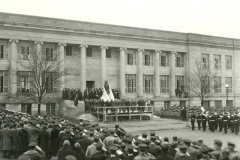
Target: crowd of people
89,93
49,137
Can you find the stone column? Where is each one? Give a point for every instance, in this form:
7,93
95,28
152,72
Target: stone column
13,66
103,64
83,66
122,71
140,72
61,83
172,74
156,74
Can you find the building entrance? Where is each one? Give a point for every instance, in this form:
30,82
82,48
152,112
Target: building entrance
90,84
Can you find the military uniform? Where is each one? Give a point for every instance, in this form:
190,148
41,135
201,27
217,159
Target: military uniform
204,122
225,123
193,117
236,124
199,120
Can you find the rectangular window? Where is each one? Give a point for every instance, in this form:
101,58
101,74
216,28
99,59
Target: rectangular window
217,61
24,81
179,82
167,104
50,108
217,84
164,83
229,103
26,108
180,60
25,52
130,83
50,81
69,51
218,104
108,53
164,59
49,54
89,52
4,81
131,59
147,83
228,80
228,60
3,52
205,60
206,104
148,59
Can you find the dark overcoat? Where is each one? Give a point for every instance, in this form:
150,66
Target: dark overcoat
44,138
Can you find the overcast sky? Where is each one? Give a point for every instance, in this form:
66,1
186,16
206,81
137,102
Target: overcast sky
209,17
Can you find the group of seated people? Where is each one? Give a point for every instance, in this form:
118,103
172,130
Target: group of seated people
89,93
49,137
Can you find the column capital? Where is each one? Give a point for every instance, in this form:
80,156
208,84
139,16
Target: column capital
103,47
38,42
13,40
62,44
83,45
174,52
140,50
157,51
122,49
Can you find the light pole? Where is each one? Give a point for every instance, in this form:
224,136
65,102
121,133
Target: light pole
227,86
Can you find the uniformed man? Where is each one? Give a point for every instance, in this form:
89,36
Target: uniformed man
143,155
220,122
212,122
193,117
225,122
112,150
204,121
199,120
236,123
232,122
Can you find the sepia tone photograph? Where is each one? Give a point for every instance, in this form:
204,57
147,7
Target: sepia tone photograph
119,79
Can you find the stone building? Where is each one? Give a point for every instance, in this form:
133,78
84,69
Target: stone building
146,63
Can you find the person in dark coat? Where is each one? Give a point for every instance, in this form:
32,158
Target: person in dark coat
98,155
164,155
7,141
64,151
55,140
78,153
15,141
34,152
33,133
85,142
23,139
44,138
130,155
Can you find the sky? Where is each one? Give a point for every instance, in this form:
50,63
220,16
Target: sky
209,17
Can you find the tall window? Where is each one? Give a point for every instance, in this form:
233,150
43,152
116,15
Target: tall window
148,59
180,60
50,108
180,82
229,103
217,61
4,81
130,83
24,81
51,81
89,52
49,54
206,104
3,52
26,108
228,80
217,84
68,50
167,104
205,60
164,59
25,52
218,104
108,53
131,58
228,60
164,84
147,83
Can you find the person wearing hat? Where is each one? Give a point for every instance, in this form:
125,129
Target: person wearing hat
85,142
33,132
108,141
165,155
143,155
204,121
190,150
205,153
232,154
55,140
44,137
129,155
143,137
225,120
113,150
98,155
193,118
218,148
64,151
153,149
35,152
78,153
182,155
199,120
6,135
236,123
92,148
220,122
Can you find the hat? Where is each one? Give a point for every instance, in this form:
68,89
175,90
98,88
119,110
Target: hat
113,148
116,125
105,130
91,132
123,132
112,131
152,133
182,147
204,149
123,144
147,141
187,141
153,137
32,144
67,130
200,140
98,145
144,134
66,142
142,146
218,142
138,141
96,137
130,147
230,144
129,139
175,138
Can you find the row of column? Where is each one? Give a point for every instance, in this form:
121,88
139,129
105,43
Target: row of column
13,67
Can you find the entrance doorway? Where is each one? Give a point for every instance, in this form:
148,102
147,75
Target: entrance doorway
26,108
90,84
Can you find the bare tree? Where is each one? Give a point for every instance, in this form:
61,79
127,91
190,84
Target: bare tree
202,81
40,73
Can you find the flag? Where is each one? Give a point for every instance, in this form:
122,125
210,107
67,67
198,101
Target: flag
105,96
110,95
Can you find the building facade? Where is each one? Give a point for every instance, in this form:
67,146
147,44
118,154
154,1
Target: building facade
142,63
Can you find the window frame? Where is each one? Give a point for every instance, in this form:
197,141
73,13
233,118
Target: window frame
89,52
68,50
148,83
131,83
164,79
217,83
217,61
218,103
108,53
51,108
228,62
24,82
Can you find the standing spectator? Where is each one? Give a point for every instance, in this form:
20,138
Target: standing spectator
43,139
7,141
182,155
35,152
218,149
165,155
78,153
64,151
84,143
55,139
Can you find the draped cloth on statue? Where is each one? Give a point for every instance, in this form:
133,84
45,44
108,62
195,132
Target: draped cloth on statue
107,92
